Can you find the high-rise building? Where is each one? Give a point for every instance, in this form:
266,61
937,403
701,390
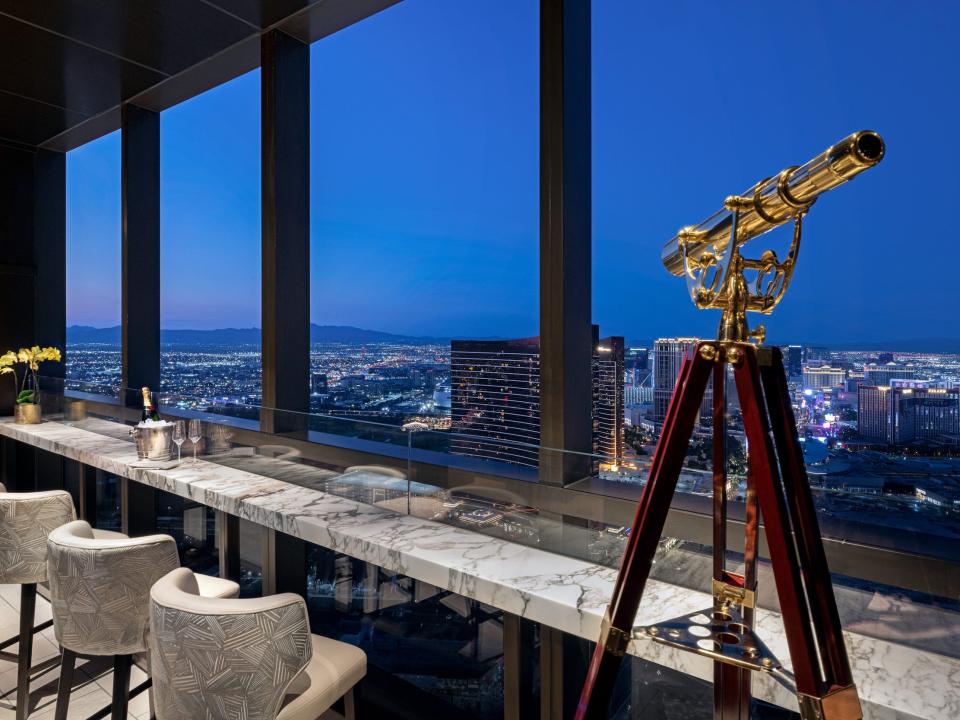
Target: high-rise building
608,397
495,398
668,355
907,412
318,383
793,354
823,376
875,374
636,364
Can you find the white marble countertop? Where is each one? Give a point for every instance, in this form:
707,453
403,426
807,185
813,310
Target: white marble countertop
565,593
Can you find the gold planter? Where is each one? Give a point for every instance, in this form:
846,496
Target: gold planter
76,410
26,413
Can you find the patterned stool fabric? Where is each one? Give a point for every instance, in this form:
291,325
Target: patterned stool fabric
100,597
242,659
100,589
26,519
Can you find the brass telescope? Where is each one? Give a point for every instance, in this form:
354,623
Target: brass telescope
713,264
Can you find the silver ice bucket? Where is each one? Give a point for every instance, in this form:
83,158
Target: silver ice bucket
153,443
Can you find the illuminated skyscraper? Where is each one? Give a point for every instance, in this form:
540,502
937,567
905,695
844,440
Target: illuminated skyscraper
495,398
908,412
824,376
668,355
608,373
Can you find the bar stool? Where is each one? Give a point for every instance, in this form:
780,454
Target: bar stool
251,659
25,521
99,592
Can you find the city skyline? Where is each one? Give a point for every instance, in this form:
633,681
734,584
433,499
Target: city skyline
416,215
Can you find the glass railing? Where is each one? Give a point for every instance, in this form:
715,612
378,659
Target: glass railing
511,490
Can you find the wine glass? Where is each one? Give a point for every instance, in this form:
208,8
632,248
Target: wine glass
195,434
179,436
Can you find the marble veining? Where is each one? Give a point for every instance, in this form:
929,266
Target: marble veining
895,681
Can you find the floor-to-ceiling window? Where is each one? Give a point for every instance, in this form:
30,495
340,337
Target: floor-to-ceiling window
93,266
693,102
210,248
424,187
424,205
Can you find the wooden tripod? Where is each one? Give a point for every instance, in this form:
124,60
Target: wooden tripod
776,486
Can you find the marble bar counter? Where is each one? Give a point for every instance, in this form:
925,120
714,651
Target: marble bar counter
895,681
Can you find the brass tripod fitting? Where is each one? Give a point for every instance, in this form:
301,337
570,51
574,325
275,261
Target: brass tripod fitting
709,352
842,704
734,354
613,639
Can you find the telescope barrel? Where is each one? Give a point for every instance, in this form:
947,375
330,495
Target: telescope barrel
777,199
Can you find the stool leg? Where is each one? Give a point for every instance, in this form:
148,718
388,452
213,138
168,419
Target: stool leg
67,662
28,603
349,709
121,686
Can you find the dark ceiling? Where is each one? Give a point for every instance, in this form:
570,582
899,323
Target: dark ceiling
66,66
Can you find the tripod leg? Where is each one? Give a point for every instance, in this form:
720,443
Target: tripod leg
783,552
719,471
644,536
816,573
750,539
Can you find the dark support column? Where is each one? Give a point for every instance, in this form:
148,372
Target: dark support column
141,509
17,269
73,483
290,564
519,693
25,459
140,183
565,253
551,674
49,469
229,546
87,510
8,463
138,508
50,254
285,212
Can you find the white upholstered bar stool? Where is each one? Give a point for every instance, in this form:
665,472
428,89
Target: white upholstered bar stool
243,659
25,521
100,596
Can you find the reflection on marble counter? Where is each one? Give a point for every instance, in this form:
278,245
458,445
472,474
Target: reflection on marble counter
564,593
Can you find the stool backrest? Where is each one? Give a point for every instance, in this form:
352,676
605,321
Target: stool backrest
26,519
223,658
100,589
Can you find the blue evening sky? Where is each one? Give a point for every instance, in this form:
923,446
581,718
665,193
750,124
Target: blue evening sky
425,183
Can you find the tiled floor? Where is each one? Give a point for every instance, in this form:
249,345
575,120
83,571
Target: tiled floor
92,681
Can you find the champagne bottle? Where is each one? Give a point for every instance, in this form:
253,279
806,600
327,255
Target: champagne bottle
149,411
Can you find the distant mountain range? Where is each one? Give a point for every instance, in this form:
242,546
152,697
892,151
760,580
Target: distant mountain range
84,334
81,334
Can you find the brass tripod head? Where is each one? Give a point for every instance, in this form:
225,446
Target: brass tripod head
710,255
